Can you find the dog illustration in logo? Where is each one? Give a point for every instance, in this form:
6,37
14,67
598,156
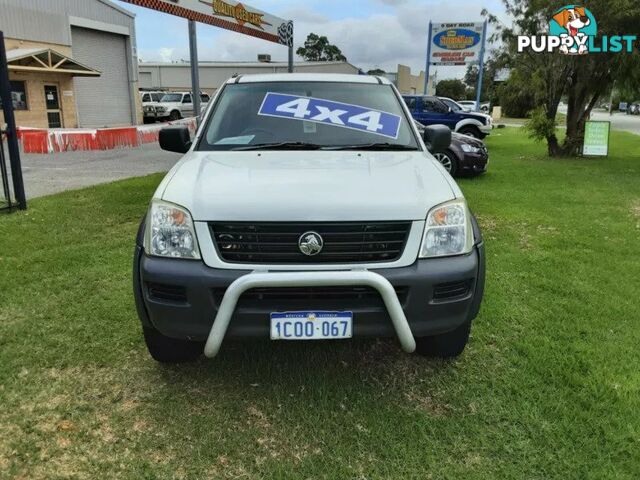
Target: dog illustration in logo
573,19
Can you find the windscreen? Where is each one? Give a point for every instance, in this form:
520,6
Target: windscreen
172,98
323,114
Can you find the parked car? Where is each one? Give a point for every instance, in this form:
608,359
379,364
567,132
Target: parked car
308,207
470,106
150,101
465,156
177,105
457,107
633,108
430,110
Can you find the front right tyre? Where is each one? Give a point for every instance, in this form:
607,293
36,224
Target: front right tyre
448,160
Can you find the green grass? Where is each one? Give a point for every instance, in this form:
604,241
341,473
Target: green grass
549,386
561,118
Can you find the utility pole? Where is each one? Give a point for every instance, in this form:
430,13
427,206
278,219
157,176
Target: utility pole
195,74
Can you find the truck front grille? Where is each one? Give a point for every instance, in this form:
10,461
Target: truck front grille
276,243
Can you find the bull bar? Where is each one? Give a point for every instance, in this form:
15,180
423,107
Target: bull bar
259,279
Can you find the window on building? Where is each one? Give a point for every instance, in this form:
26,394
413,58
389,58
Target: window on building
18,95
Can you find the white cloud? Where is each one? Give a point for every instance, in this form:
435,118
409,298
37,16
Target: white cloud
380,40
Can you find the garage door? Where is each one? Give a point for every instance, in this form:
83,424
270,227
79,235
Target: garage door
102,101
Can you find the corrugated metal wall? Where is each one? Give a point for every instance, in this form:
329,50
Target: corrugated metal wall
110,96
47,20
102,101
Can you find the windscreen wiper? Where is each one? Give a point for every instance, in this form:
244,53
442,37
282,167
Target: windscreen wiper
374,146
280,146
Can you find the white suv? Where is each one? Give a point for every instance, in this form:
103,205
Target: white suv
307,207
177,105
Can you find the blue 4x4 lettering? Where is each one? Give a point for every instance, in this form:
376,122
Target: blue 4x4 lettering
331,113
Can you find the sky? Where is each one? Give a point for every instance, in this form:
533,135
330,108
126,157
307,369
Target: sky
370,33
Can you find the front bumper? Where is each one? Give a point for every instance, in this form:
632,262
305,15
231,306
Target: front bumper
181,298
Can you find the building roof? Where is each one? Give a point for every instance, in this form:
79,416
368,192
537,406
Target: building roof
252,64
309,77
46,60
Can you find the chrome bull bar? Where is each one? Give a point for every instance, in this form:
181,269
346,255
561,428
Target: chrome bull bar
362,278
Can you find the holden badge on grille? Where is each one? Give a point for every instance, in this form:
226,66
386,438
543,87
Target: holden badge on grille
310,243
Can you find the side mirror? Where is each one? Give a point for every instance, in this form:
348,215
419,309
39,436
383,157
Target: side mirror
437,138
175,139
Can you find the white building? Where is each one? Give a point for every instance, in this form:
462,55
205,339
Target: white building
177,76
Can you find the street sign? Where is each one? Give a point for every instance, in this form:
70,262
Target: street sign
456,43
596,139
229,14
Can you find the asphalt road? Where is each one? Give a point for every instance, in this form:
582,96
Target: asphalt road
619,121
47,174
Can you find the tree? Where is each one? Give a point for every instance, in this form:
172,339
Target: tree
471,80
581,79
318,49
376,71
452,88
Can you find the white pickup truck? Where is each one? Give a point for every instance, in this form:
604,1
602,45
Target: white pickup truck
177,105
307,207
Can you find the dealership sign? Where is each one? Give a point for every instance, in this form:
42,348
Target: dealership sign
596,139
455,43
227,14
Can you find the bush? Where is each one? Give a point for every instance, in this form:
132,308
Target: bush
515,98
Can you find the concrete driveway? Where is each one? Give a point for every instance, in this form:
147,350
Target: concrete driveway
53,173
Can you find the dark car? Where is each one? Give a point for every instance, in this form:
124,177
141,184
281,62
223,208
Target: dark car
466,156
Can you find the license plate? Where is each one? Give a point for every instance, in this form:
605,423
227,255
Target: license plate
310,325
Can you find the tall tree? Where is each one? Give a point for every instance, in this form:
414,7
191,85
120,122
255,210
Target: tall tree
581,79
452,88
318,49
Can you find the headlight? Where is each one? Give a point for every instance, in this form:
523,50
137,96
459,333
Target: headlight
470,148
170,232
447,230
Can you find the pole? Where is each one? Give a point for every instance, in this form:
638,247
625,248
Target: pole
426,69
195,77
481,66
613,86
12,133
290,58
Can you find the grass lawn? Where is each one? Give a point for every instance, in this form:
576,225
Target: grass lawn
561,118
548,388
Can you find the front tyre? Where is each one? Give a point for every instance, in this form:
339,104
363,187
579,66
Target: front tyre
471,131
448,160
171,350
445,345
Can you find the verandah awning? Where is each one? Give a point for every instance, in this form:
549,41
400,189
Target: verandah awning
46,60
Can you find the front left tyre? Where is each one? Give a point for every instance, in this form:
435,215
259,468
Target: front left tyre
165,349
446,345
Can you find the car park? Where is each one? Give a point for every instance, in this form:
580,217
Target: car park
430,110
177,105
307,207
470,106
465,156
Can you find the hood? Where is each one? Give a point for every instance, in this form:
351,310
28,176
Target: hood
460,138
307,185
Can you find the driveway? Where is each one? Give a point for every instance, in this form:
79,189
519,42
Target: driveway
53,173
